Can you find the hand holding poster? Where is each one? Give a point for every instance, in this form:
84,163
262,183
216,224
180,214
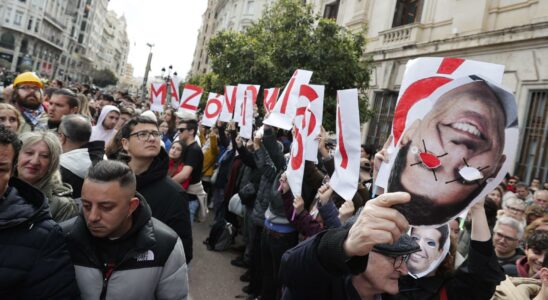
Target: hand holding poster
246,122
228,103
347,154
295,167
157,96
212,109
241,93
454,138
285,109
191,97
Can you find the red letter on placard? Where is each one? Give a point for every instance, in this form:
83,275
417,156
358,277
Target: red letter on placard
230,99
197,91
342,149
269,101
254,92
297,160
158,92
286,95
216,102
174,90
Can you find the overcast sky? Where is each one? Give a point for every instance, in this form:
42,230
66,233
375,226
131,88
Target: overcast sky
172,26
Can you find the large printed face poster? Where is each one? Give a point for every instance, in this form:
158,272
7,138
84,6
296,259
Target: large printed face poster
454,136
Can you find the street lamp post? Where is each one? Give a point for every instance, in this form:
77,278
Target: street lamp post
147,69
167,79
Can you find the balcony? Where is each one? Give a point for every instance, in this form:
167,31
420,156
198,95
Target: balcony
401,36
54,22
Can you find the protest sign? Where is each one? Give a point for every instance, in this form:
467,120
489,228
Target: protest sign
228,103
175,97
246,121
212,109
241,93
454,138
314,117
269,99
191,97
295,166
347,154
284,111
157,96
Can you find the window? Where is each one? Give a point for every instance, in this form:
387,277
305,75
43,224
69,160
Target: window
331,10
8,14
381,123
7,40
29,26
249,9
533,152
37,25
18,18
407,12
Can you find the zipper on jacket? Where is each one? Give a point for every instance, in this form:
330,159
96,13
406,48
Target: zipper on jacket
109,269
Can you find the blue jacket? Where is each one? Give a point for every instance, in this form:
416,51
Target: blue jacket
34,260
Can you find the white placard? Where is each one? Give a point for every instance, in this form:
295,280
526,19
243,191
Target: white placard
284,111
212,109
191,97
157,96
347,154
295,166
241,92
175,97
269,99
246,122
314,117
228,103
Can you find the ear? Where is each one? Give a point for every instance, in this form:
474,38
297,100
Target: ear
544,274
410,132
74,110
133,204
125,144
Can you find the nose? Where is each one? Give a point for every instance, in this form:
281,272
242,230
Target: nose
402,269
35,159
94,215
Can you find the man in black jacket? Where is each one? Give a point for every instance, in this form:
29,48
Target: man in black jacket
149,161
360,263
118,249
34,259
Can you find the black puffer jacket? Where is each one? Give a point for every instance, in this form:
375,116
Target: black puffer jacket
167,200
34,260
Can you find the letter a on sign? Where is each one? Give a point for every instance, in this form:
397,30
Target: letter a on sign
347,154
175,97
285,109
191,97
157,96
212,109
295,167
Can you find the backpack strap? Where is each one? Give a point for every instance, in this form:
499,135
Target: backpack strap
443,294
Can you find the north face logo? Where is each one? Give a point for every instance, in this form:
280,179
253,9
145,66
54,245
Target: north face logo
145,256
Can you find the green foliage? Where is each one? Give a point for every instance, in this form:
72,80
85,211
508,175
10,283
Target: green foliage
289,37
104,77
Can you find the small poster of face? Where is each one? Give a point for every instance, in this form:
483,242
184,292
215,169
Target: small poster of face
434,243
452,145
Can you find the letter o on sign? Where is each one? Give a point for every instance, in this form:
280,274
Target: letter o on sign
218,106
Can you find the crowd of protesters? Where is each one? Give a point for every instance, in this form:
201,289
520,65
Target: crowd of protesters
99,196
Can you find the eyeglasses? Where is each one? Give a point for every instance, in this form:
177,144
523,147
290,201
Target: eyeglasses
181,129
501,236
145,135
514,209
398,260
27,88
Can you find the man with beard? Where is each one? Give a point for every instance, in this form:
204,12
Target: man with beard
62,102
27,96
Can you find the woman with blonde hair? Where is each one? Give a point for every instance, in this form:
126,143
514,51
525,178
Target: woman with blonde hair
38,164
84,105
10,117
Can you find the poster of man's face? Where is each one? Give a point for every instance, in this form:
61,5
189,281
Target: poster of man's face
434,243
456,146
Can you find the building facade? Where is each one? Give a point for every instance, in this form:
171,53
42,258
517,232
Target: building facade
61,38
221,15
509,32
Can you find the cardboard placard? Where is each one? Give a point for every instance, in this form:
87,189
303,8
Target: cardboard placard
212,109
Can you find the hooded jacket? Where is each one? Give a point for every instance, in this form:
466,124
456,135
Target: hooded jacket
74,165
98,132
147,262
34,259
167,199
